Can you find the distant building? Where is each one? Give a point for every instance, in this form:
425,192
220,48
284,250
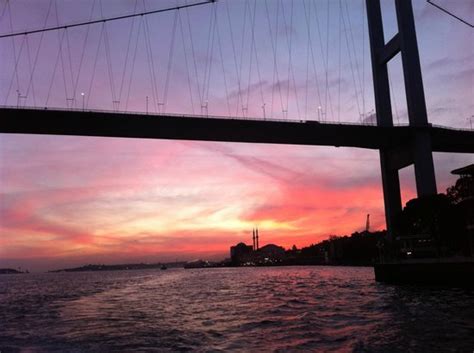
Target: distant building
272,251
243,254
240,252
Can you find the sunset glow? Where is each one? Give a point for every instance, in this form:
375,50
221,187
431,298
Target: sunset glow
67,201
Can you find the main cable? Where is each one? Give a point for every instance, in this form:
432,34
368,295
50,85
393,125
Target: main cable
450,13
55,28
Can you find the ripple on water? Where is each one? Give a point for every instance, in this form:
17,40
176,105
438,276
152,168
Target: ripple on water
246,309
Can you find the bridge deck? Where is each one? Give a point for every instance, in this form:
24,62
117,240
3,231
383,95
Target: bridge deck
174,127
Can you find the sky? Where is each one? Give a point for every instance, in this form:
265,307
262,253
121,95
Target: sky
68,201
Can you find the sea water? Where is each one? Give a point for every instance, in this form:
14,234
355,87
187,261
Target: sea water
259,309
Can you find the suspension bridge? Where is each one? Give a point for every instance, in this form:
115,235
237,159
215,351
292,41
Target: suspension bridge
273,95
226,129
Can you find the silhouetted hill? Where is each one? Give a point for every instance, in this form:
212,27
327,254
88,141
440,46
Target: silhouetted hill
119,267
10,271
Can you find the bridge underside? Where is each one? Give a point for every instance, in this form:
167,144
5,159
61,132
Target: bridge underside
110,124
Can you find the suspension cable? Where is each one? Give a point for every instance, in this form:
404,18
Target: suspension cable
252,42
122,80
325,64
95,64
363,57
186,62
17,60
211,55
149,56
274,44
307,78
327,61
350,61
84,44
31,71
239,89
357,71
30,83
147,38
68,46
310,41
208,61
170,62
55,69
242,56
394,98
133,65
339,66
63,69
13,44
260,82
193,52
222,65
289,42
108,59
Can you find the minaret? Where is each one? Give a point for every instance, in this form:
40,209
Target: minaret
253,238
256,237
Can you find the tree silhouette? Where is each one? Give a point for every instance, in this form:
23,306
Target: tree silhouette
462,190
435,216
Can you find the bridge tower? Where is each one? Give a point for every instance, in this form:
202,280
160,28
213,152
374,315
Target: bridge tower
419,151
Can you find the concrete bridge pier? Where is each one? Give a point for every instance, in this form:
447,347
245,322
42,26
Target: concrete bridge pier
424,166
419,154
391,190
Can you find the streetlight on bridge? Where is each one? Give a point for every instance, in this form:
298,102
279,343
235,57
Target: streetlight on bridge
83,95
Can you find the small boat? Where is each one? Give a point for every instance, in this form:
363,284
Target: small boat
163,267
